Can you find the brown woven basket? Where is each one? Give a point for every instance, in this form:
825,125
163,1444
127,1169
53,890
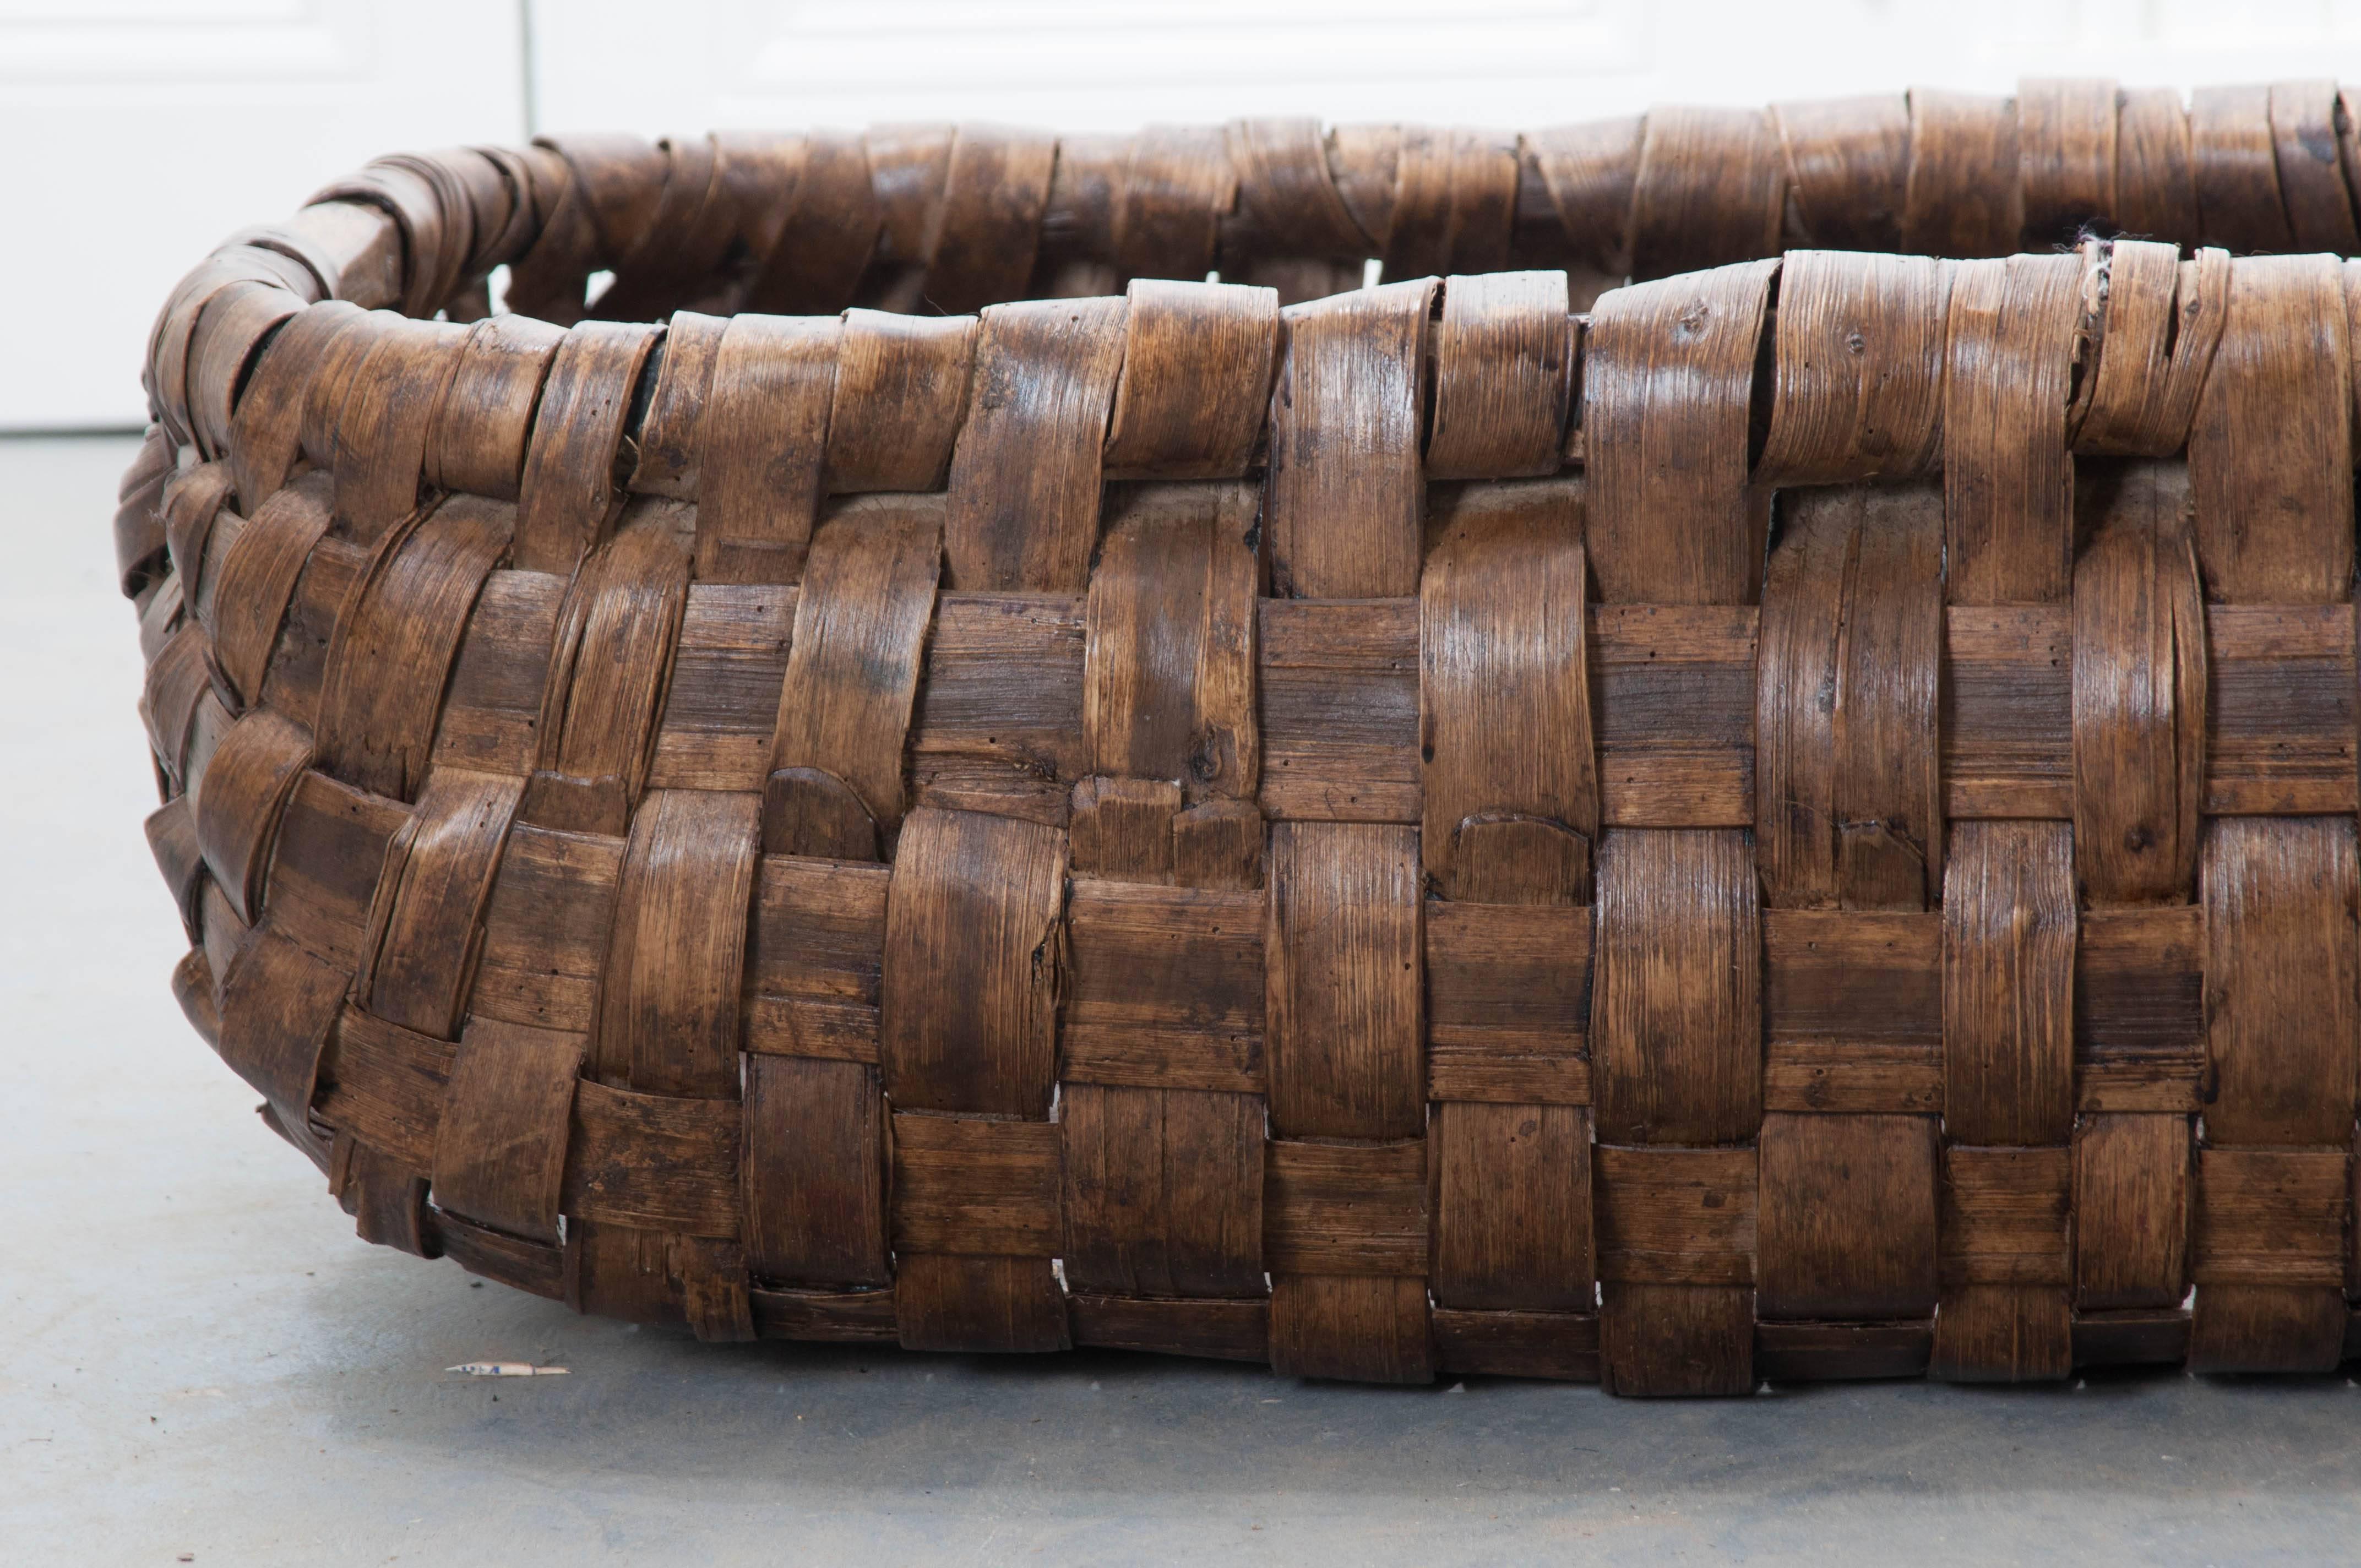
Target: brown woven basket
1791,820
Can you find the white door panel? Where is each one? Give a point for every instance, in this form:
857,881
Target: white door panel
141,132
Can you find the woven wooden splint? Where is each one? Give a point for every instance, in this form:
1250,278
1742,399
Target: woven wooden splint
1791,819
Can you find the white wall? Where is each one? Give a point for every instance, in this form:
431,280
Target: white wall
135,133
140,131
1089,64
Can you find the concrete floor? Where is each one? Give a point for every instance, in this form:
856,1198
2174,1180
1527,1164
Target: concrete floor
200,1358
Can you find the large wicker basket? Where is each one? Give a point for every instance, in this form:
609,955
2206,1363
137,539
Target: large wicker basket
1791,819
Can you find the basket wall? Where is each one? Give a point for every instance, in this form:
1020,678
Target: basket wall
1794,818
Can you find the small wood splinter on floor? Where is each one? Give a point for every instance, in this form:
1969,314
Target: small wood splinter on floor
507,1369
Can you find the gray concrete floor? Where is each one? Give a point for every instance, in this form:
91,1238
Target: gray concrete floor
198,1357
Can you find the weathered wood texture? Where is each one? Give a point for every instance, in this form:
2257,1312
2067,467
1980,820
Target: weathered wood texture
1791,819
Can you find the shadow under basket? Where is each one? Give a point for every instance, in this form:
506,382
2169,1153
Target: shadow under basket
967,740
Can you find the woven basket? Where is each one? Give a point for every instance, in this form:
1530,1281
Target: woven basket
1792,820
